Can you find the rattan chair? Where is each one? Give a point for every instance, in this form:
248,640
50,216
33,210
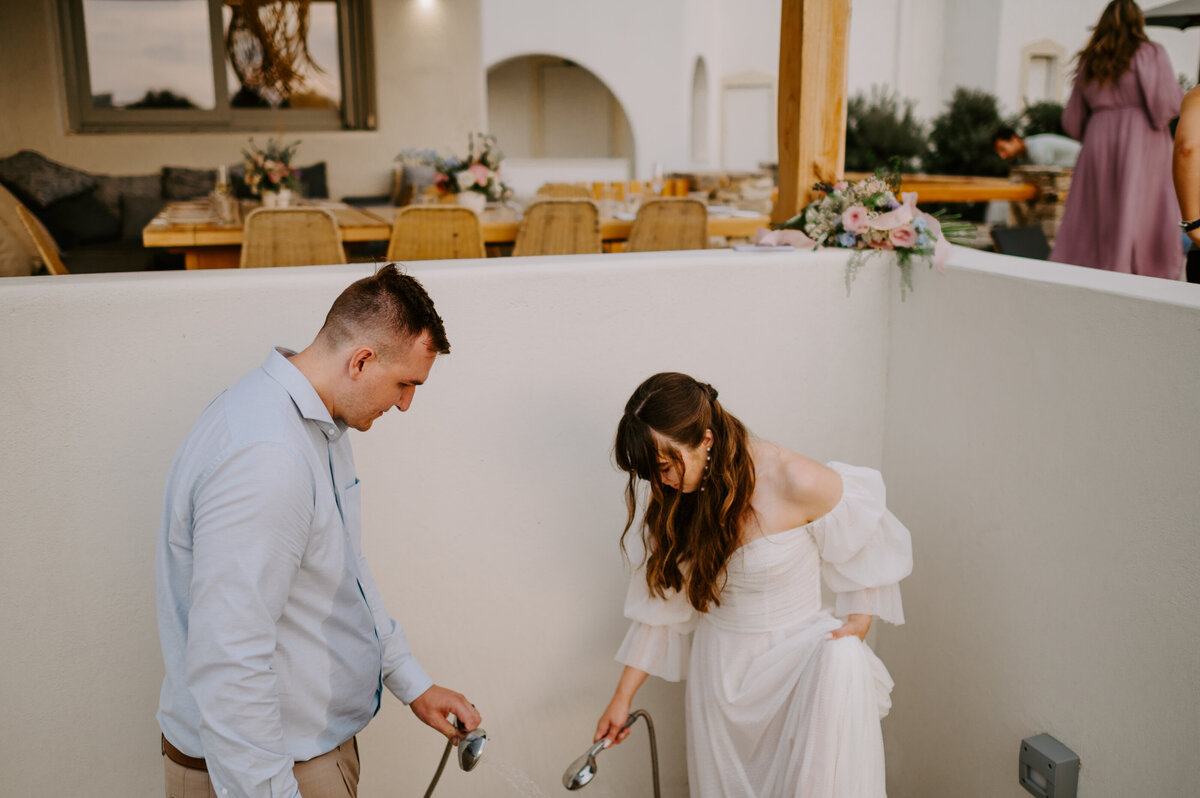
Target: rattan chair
559,227
307,236
435,232
46,248
667,224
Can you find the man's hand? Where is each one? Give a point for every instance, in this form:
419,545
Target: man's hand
856,624
435,704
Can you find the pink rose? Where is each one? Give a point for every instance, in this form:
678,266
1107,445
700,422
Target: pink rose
903,236
481,172
841,185
854,219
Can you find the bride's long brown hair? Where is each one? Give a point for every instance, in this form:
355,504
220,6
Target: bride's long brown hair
1116,37
693,533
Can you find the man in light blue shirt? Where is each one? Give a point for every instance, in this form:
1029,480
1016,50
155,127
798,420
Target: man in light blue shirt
1040,149
276,641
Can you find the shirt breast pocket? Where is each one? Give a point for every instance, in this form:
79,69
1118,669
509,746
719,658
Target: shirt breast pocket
352,510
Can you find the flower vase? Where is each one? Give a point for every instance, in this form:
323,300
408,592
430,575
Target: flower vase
277,199
472,200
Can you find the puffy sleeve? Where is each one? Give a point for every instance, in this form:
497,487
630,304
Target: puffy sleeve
1160,88
659,640
865,550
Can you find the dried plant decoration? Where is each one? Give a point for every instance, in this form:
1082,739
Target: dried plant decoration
267,46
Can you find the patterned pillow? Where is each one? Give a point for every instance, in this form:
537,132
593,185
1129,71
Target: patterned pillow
111,189
40,182
180,183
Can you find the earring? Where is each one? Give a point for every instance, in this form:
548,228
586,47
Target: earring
707,462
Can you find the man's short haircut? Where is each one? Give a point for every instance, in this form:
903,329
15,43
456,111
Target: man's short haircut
385,308
1004,133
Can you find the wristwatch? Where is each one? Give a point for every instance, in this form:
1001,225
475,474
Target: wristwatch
1188,227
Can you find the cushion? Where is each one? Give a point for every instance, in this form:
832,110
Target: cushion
111,188
181,183
39,182
312,181
136,213
80,220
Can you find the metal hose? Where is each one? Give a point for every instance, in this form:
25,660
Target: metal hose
442,766
641,713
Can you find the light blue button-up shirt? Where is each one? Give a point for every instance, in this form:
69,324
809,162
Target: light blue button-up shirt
275,638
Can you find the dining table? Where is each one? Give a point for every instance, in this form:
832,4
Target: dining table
193,228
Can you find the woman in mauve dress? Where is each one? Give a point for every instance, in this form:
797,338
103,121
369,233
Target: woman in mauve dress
783,697
1121,213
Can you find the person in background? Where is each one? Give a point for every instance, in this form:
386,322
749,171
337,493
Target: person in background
783,698
1040,149
1185,168
1120,212
275,638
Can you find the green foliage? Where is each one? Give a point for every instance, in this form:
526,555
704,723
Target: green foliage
961,138
1042,117
881,127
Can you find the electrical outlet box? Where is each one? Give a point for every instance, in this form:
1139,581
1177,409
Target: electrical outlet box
1048,769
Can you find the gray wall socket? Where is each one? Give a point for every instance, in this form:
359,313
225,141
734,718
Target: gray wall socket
1048,769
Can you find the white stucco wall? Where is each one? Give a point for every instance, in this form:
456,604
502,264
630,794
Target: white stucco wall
1035,424
414,69
643,52
1041,443
491,509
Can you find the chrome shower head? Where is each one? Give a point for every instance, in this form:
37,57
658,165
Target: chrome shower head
583,769
470,749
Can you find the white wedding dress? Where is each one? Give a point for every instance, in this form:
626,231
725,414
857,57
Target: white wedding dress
773,708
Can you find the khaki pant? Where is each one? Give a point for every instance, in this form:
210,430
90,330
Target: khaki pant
331,775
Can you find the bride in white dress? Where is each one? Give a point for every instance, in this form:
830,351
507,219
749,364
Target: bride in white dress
783,697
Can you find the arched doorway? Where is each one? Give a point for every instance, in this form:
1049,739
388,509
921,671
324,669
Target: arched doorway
544,106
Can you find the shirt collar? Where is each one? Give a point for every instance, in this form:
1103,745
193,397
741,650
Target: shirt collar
303,394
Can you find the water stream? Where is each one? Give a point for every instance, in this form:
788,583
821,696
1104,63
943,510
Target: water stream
518,779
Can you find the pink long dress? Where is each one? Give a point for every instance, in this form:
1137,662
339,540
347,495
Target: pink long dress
1121,212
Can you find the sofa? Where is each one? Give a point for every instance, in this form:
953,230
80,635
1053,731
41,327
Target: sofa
97,219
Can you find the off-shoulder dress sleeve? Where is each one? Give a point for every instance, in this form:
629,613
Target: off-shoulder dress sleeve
865,550
659,640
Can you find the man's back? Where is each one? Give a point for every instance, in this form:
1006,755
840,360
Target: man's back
1051,149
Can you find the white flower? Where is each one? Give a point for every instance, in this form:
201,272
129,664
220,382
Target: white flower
465,179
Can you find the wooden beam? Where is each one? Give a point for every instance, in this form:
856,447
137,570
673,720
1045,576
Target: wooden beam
812,99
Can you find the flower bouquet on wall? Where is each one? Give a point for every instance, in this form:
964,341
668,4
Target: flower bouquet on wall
269,172
867,217
477,173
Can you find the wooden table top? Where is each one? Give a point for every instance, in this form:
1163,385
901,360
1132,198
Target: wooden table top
500,224
192,224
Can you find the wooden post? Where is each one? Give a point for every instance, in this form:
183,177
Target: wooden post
812,99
